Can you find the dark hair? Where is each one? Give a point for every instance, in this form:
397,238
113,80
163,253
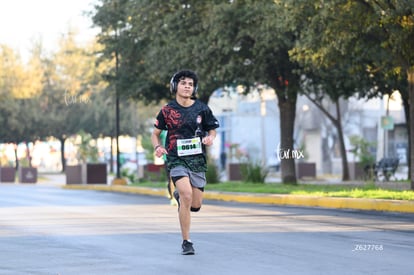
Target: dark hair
180,75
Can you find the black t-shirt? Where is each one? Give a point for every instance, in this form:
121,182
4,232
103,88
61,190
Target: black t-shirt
185,123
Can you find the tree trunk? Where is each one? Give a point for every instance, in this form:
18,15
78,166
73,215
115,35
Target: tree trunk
287,108
337,122
16,157
28,154
111,156
62,153
338,125
410,74
406,104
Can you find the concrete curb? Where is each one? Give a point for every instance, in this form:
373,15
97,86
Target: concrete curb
293,200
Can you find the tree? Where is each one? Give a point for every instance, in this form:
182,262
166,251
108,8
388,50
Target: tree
374,38
234,42
72,86
19,90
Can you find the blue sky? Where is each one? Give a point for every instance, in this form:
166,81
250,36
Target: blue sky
22,21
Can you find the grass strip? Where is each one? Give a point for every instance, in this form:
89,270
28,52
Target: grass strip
323,190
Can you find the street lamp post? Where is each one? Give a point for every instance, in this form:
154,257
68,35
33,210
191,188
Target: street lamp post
117,180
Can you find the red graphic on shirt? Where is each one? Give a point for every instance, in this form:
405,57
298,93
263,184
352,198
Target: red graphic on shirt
172,117
173,121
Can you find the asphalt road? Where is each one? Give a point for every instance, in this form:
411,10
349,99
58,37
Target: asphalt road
50,230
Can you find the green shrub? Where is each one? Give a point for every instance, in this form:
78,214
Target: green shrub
253,172
130,175
212,174
362,150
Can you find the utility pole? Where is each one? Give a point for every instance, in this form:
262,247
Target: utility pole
118,180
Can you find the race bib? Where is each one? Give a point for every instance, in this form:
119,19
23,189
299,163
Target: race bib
189,146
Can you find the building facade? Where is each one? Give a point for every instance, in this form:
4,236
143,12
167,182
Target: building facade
250,129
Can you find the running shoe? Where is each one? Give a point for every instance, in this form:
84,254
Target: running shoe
173,202
187,248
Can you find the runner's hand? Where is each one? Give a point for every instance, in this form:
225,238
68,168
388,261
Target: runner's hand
160,151
208,140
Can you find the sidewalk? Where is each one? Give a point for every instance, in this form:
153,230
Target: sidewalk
291,200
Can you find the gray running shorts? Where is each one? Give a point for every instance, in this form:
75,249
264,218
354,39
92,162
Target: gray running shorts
197,179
